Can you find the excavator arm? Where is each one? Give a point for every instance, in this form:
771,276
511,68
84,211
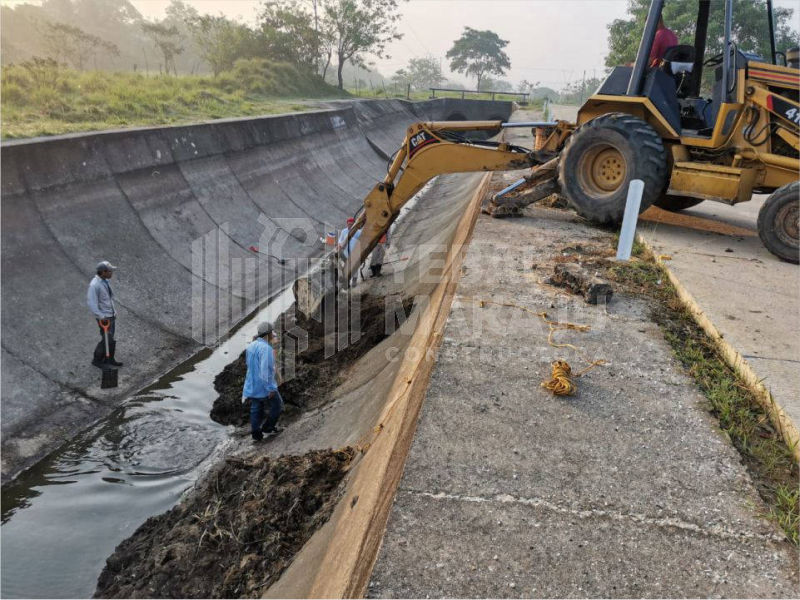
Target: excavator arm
429,149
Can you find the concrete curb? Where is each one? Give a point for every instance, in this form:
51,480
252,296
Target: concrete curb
788,429
347,566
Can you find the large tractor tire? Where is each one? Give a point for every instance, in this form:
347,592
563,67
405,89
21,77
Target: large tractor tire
676,203
602,157
778,222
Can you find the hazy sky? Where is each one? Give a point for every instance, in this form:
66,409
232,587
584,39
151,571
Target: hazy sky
550,41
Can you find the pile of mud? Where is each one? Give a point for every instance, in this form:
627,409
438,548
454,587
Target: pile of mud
311,375
234,536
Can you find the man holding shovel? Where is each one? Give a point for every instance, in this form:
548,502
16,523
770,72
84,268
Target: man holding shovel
100,299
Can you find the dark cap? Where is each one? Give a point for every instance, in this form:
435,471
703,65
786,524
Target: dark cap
104,265
264,328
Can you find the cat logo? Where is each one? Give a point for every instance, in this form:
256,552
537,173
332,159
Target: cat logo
420,140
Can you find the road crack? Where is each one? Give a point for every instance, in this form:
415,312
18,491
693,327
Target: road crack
717,531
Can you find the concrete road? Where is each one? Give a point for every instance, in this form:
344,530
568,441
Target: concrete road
751,296
626,489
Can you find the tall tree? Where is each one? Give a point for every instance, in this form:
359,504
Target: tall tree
479,53
401,78
750,28
578,91
327,40
185,18
287,28
180,12
222,42
167,39
421,73
106,12
361,27
75,44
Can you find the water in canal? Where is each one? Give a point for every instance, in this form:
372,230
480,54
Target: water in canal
64,517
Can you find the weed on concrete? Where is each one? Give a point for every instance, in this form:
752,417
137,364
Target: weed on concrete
741,418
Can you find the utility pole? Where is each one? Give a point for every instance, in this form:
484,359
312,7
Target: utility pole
583,85
316,36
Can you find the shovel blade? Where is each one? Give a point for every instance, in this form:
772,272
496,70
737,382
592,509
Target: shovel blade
110,378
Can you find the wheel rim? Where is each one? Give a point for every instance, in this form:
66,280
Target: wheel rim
787,224
602,170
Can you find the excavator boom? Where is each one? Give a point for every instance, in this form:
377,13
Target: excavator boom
430,149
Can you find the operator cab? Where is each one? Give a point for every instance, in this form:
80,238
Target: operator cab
675,88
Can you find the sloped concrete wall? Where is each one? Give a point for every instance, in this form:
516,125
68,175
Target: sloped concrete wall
179,209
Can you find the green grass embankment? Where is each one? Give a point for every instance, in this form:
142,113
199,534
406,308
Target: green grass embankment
44,98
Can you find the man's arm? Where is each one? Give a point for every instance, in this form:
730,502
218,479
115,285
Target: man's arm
92,301
267,370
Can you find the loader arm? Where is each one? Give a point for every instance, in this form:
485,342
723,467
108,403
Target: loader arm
429,149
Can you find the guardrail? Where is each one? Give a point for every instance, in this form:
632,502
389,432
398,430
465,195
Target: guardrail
522,95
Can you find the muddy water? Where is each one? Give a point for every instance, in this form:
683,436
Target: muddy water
64,517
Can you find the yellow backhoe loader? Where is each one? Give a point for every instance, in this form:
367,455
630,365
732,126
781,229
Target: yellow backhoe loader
642,123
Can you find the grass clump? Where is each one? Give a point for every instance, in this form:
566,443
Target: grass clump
741,417
42,97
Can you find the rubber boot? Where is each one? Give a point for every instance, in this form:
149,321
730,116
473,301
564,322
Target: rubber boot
112,347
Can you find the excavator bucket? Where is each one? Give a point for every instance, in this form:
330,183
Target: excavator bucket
318,286
537,185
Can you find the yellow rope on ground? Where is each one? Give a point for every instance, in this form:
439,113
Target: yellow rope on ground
560,382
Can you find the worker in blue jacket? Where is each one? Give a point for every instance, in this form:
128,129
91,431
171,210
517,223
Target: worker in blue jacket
260,383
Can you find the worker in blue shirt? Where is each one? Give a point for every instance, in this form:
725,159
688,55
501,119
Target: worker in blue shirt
260,384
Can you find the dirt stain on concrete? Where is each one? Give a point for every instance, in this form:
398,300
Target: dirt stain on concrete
658,215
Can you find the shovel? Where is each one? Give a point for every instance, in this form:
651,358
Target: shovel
110,377
105,325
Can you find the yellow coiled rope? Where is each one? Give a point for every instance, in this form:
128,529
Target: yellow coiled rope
560,382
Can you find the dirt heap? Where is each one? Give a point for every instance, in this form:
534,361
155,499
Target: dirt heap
237,532
235,535
314,376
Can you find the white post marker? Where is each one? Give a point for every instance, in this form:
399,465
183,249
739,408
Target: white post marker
629,219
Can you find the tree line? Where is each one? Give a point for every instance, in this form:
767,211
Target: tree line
324,37
316,35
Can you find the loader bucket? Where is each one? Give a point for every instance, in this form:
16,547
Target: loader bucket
318,285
